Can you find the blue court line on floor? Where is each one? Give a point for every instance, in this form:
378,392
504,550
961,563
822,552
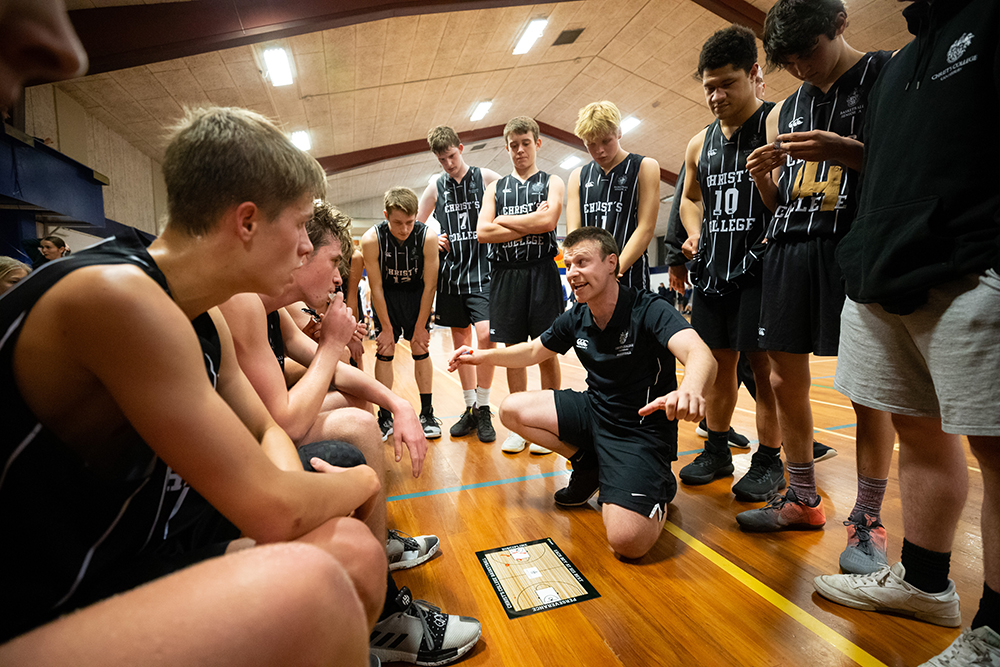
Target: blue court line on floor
480,485
837,428
824,377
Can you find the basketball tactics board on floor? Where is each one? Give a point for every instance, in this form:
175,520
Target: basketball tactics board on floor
534,576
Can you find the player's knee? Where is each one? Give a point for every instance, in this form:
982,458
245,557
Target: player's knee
631,543
511,410
363,557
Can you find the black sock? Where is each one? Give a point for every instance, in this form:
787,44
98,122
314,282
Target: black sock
425,403
989,610
773,452
926,569
718,441
383,413
391,592
584,460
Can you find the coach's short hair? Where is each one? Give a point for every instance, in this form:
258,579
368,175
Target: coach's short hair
597,120
792,27
400,199
603,238
520,125
441,138
735,45
221,156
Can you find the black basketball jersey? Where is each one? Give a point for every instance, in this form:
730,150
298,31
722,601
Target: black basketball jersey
274,338
734,218
820,199
516,198
465,268
401,264
72,520
611,201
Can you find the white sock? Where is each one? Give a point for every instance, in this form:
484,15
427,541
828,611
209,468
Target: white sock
482,396
470,397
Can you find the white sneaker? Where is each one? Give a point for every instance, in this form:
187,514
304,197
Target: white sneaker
538,449
405,552
886,590
422,634
513,444
973,647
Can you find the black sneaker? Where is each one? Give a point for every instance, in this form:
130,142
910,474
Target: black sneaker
735,439
583,484
484,424
430,424
821,452
765,478
709,465
385,424
421,634
465,425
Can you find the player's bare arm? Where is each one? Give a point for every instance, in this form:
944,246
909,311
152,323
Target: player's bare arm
159,385
691,205
521,355
356,344
544,218
649,206
421,335
687,402
573,216
425,209
764,164
487,230
385,344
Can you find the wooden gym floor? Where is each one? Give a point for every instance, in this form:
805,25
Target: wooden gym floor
707,594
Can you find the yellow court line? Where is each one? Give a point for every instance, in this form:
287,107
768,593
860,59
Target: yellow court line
783,604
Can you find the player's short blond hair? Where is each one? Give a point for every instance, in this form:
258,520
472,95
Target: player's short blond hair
520,125
598,120
441,138
400,199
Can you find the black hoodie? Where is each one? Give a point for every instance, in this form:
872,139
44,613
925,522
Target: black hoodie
930,195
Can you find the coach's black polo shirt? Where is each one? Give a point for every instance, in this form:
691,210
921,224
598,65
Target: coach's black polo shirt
628,363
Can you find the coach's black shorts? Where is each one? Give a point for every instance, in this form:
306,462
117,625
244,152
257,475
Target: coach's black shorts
729,321
460,310
403,309
524,300
634,459
802,297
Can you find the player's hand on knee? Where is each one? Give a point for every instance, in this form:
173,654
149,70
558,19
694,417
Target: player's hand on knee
421,341
462,356
385,343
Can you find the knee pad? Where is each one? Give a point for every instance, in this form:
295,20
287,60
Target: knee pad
383,357
419,357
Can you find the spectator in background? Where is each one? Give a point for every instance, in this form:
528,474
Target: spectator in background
11,272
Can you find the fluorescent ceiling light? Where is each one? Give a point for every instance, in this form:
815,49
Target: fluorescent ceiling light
629,124
481,110
570,162
302,140
530,35
279,71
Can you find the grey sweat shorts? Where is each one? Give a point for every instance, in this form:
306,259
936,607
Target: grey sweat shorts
941,361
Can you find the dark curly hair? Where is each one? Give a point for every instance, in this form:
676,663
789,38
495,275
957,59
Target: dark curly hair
792,27
735,45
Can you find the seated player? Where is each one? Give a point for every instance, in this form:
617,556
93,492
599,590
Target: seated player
402,262
120,380
619,441
263,333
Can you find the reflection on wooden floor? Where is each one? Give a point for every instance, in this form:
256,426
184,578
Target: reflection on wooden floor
707,594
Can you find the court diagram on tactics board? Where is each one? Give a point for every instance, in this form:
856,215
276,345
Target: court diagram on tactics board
534,576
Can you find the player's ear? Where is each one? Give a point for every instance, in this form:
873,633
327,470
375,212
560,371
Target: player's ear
246,218
841,22
461,147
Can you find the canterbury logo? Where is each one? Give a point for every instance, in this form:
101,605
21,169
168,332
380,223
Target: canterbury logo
582,343
795,123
